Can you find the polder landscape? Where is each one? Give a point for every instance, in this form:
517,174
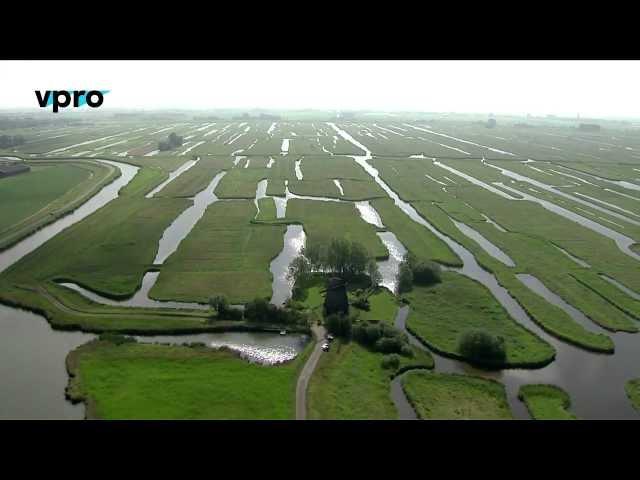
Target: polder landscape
319,265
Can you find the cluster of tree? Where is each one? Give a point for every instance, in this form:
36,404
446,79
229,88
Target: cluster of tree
483,348
7,123
343,258
8,141
412,271
172,142
378,336
259,310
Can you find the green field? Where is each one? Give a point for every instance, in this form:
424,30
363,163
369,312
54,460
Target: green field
546,402
230,249
223,254
442,313
31,200
324,221
108,251
138,381
350,384
437,396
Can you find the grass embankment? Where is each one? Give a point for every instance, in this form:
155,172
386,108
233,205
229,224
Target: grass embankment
632,388
144,381
439,396
224,254
324,221
546,402
350,384
50,190
440,314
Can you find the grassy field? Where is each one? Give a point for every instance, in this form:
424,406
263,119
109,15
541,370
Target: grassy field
441,313
383,306
324,221
350,384
110,250
36,198
196,178
223,254
633,392
546,402
137,381
438,396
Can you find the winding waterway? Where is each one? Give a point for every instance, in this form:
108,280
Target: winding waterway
594,381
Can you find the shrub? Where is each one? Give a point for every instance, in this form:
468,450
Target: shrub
116,338
406,351
389,345
391,361
482,347
426,273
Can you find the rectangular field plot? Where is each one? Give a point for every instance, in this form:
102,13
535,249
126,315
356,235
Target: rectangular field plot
324,221
223,254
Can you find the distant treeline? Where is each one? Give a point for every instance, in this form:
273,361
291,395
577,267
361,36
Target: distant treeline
7,123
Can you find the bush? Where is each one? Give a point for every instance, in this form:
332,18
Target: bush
116,338
389,345
426,273
406,351
482,347
391,361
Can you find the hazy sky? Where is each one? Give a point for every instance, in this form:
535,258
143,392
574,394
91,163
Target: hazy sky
591,88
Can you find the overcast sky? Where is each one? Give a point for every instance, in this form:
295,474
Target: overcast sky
591,88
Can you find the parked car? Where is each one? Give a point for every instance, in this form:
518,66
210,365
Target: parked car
330,338
325,347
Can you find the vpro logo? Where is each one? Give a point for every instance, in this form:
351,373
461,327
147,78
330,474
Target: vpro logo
63,98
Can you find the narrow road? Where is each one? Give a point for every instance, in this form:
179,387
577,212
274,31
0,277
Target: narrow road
303,380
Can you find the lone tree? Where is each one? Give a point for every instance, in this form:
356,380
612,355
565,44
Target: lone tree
481,347
404,279
219,303
335,300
